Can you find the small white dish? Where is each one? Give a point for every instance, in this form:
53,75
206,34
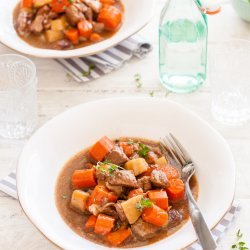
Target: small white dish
59,139
136,16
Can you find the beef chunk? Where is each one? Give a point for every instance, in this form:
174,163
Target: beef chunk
41,18
62,44
120,211
117,156
134,156
144,230
23,22
89,14
75,12
108,209
159,179
145,183
95,5
116,189
124,178
37,25
102,177
151,157
98,27
175,217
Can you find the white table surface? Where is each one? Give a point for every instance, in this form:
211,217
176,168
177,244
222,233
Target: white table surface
56,94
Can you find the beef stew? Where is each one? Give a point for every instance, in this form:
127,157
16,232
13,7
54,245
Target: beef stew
67,24
123,193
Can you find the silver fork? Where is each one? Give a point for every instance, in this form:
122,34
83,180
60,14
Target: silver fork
181,156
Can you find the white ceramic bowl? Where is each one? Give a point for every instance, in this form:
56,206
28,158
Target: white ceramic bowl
137,14
52,145
242,7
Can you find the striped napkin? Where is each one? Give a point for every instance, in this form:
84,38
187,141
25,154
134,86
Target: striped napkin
8,185
84,69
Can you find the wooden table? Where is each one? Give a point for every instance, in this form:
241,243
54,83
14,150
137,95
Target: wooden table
57,93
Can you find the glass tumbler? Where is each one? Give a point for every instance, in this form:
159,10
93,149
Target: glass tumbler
230,81
18,96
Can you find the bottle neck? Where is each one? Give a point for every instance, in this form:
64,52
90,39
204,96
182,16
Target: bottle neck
182,2
180,9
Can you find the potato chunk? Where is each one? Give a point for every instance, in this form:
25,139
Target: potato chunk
79,199
130,210
52,35
59,24
138,166
162,161
40,3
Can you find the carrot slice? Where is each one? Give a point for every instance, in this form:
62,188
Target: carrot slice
91,221
159,197
101,148
59,5
127,148
117,237
83,178
155,215
101,195
149,170
170,171
135,192
110,16
109,2
85,28
26,3
95,37
72,35
104,224
176,189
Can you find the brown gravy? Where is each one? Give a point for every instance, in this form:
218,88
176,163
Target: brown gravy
76,221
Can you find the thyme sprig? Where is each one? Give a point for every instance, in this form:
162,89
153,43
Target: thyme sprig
143,203
107,167
239,244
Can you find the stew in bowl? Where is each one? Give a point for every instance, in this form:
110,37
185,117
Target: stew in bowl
123,193
67,24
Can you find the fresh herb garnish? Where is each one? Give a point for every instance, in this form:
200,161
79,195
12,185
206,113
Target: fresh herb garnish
152,93
137,78
106,167
143,150
71,1
239,245
144,203
130,142
106,162
87,73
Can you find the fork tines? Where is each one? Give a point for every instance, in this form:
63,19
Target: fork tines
176,150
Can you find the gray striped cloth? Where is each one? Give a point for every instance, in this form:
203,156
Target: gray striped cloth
84,69
8,185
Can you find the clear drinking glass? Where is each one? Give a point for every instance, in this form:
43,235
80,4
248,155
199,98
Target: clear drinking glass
230,81
18,96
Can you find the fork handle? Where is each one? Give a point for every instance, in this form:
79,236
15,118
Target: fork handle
204,234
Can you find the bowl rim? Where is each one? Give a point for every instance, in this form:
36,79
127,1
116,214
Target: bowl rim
73,53
30,217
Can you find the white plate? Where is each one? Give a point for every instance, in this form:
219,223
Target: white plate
52,145
137,14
